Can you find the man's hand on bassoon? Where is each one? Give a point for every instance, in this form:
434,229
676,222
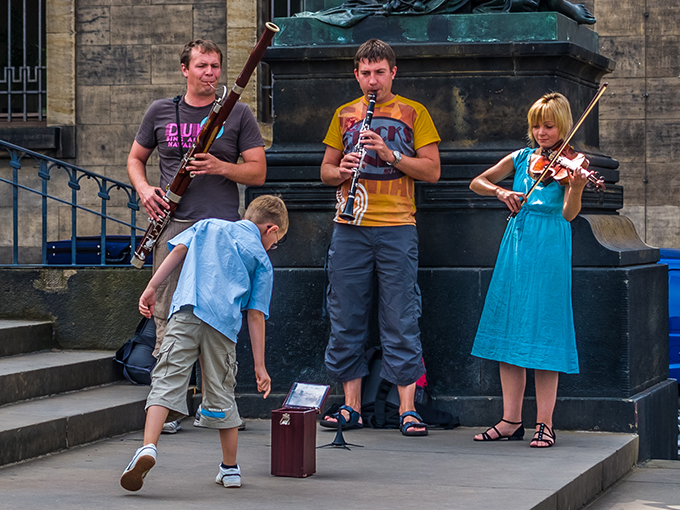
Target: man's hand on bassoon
205,163
152,200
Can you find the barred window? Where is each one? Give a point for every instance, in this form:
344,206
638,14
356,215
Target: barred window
22,60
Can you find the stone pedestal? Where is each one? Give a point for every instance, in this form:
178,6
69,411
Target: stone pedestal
477,75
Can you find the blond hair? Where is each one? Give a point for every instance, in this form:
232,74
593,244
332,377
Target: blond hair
268,209
553,106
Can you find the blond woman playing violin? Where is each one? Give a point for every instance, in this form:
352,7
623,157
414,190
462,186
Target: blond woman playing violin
527,321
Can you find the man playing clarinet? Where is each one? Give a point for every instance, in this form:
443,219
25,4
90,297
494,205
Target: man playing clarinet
381,241
171,126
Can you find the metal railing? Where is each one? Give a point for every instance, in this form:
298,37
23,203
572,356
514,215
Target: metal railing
22,79
46,168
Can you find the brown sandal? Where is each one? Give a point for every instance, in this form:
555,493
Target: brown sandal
544,434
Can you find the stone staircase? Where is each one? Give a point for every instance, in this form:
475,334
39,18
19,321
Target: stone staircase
51,399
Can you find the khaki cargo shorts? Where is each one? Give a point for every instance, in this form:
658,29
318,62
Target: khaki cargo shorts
186,337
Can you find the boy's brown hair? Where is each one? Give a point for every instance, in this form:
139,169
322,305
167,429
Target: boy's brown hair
375,50
203,46
268,209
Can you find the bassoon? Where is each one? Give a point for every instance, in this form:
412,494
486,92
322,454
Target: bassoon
218,115
348,212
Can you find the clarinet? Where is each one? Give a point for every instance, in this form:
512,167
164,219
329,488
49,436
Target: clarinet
218,115
348,213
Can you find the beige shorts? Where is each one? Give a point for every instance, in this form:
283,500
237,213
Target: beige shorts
167,287
186,337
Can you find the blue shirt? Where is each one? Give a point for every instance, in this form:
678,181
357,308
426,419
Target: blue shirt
226,270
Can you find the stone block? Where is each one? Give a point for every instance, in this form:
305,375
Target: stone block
104,145
242,14
663,225
113,65
628,51
632,180
30,231
661,140
117,173
93,105
663,183
663,58
623,139
61,108
60,16
93,26
165,65
155,24
624,99
663,17
241,41
210,22
620,17
194,2
663,102
93,3
129,103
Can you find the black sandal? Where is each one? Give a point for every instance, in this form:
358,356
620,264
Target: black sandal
517,435
544,436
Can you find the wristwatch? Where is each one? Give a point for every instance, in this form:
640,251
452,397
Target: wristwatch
397,158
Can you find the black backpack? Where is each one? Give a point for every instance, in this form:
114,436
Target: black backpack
380,400
136,355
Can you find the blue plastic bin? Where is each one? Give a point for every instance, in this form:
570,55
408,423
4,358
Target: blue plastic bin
672,258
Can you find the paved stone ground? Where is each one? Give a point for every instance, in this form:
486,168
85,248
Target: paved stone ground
651,486
444,470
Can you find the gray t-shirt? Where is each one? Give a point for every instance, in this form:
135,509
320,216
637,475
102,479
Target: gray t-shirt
208,196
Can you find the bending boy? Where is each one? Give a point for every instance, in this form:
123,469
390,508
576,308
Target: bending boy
226,270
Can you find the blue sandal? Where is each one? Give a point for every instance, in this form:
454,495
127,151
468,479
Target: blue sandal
406,427
353,422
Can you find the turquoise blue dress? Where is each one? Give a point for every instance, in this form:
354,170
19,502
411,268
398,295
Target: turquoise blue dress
527,319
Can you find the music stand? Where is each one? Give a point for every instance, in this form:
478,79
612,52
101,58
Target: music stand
339,440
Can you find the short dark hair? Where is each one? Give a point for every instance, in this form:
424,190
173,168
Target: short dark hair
375,50
202,45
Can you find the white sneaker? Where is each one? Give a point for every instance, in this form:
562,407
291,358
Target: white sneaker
132,478
197,419
171,427
229,477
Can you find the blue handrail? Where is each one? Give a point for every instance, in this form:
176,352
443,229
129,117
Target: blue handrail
46,167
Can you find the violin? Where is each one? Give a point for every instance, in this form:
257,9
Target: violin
554,156
567,162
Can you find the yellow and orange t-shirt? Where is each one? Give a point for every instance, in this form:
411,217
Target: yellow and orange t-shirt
385,196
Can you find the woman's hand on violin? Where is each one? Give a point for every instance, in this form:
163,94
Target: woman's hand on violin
512,199
578,179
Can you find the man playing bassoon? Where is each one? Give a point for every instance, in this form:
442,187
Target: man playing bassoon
381,241
213,192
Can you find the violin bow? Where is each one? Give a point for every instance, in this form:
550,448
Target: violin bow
564,145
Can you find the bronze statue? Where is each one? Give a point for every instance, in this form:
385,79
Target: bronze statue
352,11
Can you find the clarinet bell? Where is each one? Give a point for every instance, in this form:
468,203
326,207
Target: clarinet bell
348,213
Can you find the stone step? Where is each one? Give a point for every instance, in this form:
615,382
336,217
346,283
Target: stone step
39,374
18,337
38,427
